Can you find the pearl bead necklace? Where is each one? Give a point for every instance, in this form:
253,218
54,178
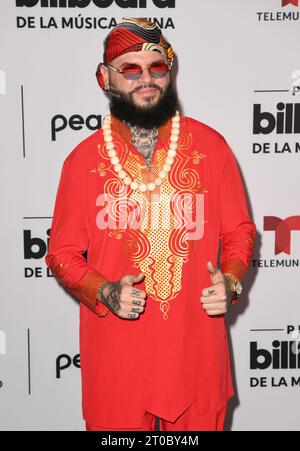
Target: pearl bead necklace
127,180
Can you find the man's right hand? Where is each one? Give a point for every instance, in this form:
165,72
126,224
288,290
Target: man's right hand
122,298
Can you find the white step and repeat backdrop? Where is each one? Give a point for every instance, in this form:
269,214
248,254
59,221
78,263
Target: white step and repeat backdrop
238,71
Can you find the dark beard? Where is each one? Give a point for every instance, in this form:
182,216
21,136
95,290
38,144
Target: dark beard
122,107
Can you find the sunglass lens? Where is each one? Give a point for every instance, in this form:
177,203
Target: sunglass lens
132,71
159,70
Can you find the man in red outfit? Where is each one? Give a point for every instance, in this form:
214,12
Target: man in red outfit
149,198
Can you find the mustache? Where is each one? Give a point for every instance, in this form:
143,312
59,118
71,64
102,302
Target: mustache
115,92
146,86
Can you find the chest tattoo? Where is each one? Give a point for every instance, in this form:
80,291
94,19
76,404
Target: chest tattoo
144,141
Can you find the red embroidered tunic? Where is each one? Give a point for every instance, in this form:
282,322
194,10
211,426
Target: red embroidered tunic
175,353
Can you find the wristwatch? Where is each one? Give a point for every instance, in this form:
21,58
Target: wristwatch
235,286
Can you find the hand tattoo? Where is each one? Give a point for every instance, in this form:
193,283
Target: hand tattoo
131,316
109,294
135,302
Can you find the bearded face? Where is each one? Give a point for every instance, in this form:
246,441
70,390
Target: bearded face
146,102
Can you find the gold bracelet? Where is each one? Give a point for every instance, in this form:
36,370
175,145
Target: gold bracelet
235,280
231,277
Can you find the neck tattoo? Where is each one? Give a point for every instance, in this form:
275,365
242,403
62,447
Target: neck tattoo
144,141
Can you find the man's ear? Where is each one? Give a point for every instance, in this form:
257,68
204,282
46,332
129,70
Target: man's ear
105,74
102,75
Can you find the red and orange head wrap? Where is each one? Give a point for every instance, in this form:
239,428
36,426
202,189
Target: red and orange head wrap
134,35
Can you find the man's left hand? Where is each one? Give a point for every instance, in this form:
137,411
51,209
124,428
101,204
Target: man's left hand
216,298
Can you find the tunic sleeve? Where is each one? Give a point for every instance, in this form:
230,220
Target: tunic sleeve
237,230
69,239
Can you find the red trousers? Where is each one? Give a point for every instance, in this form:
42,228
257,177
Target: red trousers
190,420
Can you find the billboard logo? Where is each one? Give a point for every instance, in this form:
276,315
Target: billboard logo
34,247
278,355
286,120
98,3
282,229
281,356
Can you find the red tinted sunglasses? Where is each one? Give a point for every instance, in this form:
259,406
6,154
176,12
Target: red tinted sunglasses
134,71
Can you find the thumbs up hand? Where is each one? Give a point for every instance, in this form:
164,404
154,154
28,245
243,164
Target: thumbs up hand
122,298
216,298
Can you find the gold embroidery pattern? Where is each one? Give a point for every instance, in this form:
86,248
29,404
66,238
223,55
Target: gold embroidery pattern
159,249
105,167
